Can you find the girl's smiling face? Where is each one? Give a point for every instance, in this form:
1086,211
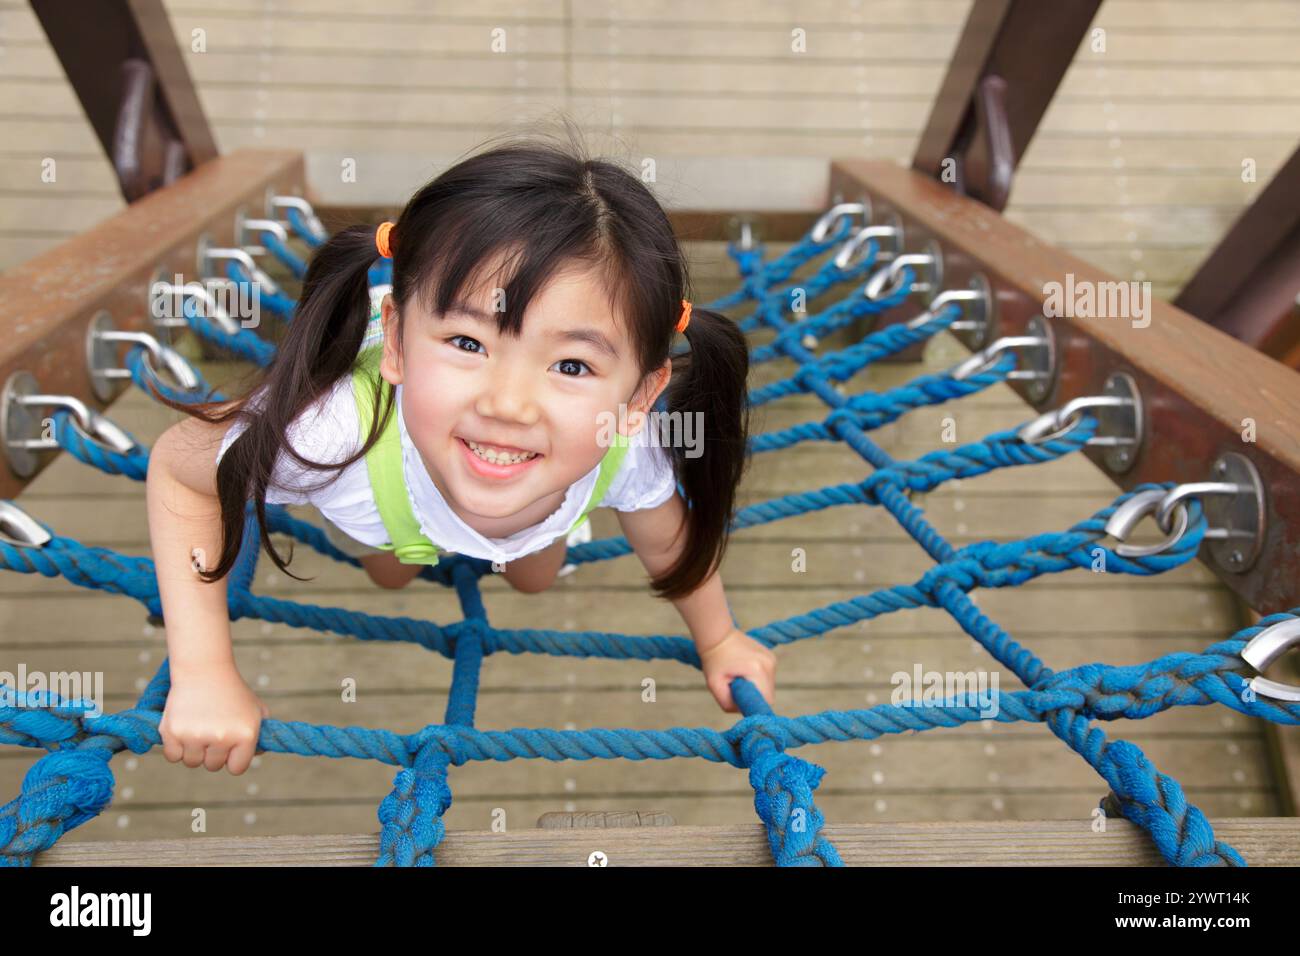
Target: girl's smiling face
549,392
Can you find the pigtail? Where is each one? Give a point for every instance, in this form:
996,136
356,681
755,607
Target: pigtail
711,379
320,346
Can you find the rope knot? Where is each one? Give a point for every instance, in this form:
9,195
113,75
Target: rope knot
67,787
966,569
412,813
758,734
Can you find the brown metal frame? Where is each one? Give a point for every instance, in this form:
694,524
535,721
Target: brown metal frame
123,62
1006,68
1198,384
1248,285
47,303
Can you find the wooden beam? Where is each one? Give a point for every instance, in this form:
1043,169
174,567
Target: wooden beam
1201,388
123,61
1008,63
1248,285
1263,841
48,302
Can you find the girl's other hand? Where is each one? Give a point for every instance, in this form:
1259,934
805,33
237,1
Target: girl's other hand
738,655
212,719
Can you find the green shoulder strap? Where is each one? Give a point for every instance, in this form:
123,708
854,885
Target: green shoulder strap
609,466
384,465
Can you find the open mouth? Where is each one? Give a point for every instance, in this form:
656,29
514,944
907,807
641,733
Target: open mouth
492,464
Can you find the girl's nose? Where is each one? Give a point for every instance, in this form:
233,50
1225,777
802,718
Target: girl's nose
512,397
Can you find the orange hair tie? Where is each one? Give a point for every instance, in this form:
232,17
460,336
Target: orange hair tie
685,320
381,239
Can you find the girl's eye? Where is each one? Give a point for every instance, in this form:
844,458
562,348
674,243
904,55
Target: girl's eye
572,362
452,339
478,346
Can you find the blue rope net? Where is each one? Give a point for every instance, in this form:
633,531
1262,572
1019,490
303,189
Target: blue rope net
74,782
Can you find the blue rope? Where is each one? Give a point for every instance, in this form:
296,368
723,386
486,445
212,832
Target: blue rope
288,258
245,343
299,227
72,783
279,303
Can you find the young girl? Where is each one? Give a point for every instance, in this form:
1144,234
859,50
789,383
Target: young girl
500,395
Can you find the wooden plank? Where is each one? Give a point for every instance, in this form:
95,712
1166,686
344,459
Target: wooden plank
1163,15
1263,842
350,104
602,819
335,810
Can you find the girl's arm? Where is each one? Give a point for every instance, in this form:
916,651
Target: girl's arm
725,650
650,532
185,514
211,718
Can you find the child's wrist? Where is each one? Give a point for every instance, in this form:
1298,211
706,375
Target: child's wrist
708,640
205,665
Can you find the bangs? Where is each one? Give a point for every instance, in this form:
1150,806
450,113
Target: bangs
518,255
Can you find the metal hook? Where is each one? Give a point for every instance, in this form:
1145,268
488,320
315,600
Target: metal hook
1200,488
1126,517
268,225
822,227
986,357
95,426
303,206
181,370
243,258
892,275
745,231
1265,648
200,291
1236,527
848,257
940,301
20,529
1054,424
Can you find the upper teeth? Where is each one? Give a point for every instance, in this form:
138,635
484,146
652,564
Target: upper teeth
499,457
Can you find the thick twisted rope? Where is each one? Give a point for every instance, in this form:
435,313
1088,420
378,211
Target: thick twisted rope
72,783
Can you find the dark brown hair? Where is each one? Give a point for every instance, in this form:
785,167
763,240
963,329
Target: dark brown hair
555,207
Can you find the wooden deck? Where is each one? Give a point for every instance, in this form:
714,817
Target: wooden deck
999,776
1264,842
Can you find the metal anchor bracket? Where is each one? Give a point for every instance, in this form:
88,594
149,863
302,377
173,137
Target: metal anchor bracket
887,280
1040,355
205,253
104,365
891,245
1119,429
745,231
248,232
24,430
212,309
275,201
822,227
1234,510
973,301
